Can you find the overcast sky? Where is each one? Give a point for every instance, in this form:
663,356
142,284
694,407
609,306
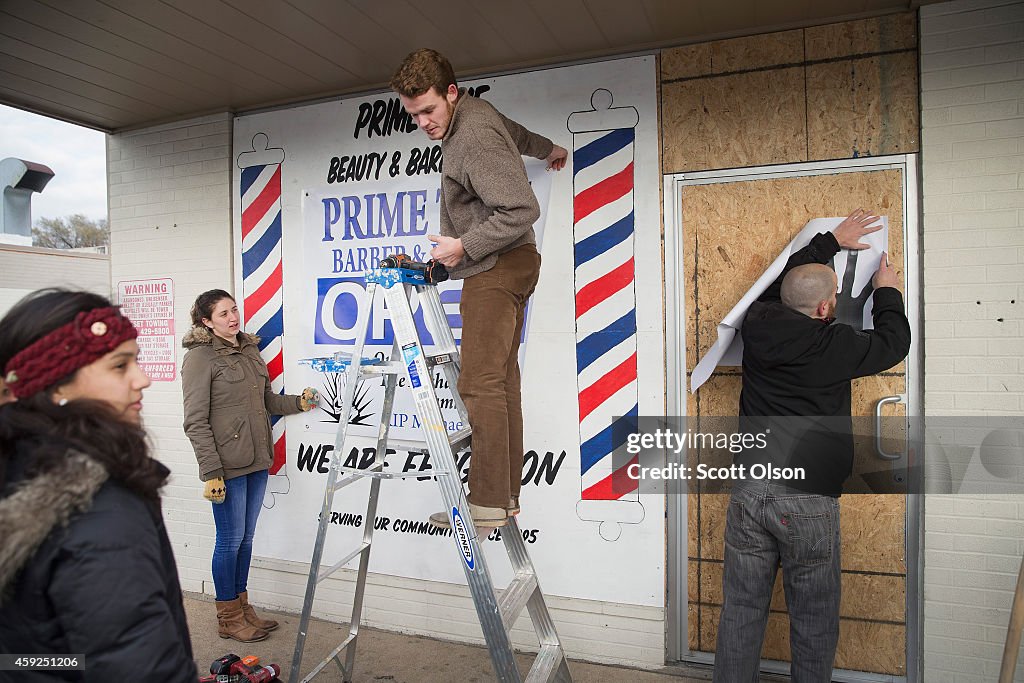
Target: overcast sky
75,154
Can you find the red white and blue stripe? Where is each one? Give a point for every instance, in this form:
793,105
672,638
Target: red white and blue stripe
606,347
262,278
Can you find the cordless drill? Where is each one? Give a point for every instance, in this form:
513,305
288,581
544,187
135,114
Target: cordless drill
255,673
234,669
220,670
433,271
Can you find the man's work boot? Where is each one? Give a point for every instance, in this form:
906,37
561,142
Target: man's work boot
483,517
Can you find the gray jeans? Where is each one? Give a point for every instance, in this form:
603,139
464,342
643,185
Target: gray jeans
766,525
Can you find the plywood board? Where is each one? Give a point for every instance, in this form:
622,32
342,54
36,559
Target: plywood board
741,120
862,37
693,628
871,473
872,533
863,646
710,576
776,638
733,231
694,587
871,528
709,617
872,646
799,103
874,597
863,107
713,509
867,390
756,52
776,641
690,205
720,395
693,527
687,61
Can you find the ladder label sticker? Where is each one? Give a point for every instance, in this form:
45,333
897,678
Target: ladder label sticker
411,352
462,537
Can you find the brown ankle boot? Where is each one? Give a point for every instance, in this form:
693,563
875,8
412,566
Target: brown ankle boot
231,623
250,614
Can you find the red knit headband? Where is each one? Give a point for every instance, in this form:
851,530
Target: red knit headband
90,336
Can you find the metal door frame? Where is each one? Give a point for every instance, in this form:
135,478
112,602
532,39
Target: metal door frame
675,329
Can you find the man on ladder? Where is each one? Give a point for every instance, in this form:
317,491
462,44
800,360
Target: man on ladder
487,214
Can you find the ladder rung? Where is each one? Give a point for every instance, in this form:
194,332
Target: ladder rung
515,597
457,438
443,358
375,473
391,368
411,445
337,651
545,667
324,573
397,368
355,475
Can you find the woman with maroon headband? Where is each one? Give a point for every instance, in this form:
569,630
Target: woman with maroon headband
85,564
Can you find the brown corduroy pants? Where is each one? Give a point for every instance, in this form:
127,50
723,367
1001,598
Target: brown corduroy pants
493,307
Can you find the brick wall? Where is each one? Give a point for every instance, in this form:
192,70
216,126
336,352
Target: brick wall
170,216
972,83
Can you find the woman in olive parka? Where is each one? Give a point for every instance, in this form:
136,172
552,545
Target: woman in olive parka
228,404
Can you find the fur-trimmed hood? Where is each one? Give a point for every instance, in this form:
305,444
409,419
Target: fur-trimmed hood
40,505
200,336
101,554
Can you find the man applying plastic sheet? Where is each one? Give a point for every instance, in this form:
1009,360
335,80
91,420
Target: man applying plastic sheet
797,367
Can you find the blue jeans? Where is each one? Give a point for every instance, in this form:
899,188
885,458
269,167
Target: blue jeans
768,524
236,525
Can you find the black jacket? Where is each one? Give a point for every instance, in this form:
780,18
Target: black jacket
86,568
800,368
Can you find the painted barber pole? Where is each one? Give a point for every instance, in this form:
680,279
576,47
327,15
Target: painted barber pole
606,330
262,293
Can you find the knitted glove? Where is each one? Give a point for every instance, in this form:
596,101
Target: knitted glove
309,399
215,490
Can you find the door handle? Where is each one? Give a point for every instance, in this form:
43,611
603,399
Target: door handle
881,452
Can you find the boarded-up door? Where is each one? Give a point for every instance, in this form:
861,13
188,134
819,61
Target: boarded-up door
731,231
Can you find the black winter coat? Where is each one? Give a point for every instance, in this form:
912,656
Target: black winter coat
86,568
799,368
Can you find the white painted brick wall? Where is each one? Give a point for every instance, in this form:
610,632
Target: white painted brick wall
170,216
972,65
972,81
25,269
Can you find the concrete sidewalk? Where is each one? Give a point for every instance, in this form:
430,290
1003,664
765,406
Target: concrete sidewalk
385,656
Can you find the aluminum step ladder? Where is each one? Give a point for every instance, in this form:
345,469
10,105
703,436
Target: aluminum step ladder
410,359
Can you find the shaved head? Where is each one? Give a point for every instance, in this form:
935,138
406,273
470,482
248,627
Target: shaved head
805,287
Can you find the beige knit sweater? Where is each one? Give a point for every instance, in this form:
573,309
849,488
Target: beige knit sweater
486,198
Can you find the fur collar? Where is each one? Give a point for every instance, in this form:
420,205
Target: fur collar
201,336
40,505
